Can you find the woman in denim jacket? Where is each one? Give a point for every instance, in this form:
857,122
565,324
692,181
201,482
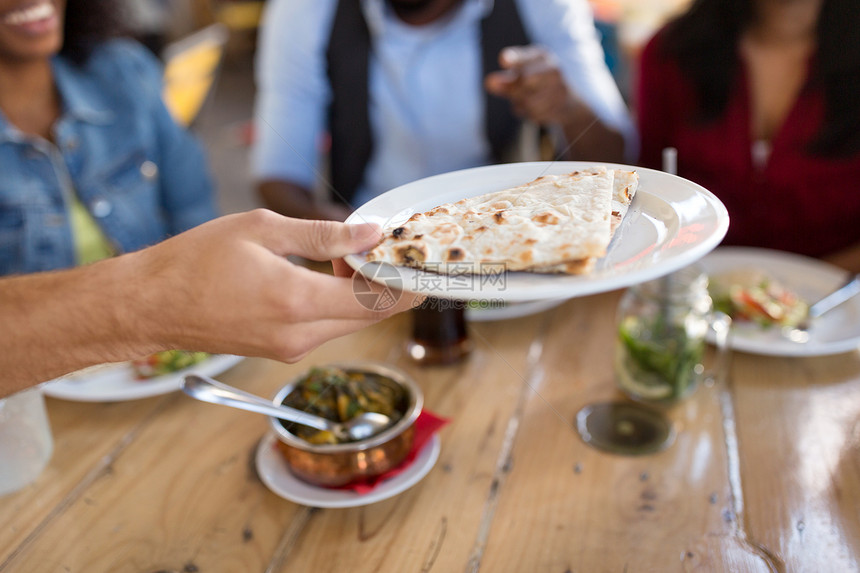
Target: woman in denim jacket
91,163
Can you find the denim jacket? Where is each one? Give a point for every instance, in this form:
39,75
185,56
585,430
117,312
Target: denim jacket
141,176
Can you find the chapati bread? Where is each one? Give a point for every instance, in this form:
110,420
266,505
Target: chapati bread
624,188
554,224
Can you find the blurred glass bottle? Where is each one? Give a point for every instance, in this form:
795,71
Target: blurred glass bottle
439,334
26,443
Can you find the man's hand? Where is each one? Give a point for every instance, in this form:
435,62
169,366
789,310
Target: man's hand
848,258
532,80
233,290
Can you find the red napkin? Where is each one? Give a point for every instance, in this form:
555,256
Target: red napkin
426,425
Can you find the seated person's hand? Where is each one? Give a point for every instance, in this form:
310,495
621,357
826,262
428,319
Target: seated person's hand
531,79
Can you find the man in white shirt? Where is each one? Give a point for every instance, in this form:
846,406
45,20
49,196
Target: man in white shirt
405,89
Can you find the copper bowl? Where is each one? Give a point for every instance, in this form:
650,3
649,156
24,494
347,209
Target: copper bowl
334,465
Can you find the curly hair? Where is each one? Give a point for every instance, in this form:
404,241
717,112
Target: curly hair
704,43
87,24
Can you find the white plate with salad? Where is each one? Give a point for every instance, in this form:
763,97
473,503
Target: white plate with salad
764,290
123,381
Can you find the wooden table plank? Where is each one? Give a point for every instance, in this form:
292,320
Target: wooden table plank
165,452
433,525
566,506
184,490
168,484
799,434
181,490
86,438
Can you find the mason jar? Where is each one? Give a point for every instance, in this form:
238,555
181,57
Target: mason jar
662,332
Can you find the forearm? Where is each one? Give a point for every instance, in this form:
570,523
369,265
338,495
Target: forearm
848,258
225,286
58,322
295,201
532,80
588,138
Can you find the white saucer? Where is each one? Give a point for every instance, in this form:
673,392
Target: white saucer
511,310
274,472
117,382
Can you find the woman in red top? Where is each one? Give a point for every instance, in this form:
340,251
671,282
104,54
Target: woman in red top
762,100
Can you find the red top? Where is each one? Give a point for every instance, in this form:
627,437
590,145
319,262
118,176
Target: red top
793,202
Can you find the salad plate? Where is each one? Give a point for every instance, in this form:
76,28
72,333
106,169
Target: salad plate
671,223
118,382
273,471
833,333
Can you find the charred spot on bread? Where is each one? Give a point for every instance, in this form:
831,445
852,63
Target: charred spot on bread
410,253
481,229
627,195
577,266
440,209
545,219
456,254
398,232
499,216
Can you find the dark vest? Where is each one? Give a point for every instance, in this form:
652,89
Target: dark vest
349,117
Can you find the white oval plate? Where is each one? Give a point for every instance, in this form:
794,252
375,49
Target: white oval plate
511,310
836,332
274,472
671,223
117,382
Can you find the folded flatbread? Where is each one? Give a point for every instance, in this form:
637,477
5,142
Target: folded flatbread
554,224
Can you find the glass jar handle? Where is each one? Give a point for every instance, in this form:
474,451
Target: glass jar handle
721,324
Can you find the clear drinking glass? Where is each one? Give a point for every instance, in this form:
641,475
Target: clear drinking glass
662,330
659,360
26,443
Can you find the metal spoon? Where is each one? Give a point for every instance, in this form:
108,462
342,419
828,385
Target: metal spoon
206,389
800,332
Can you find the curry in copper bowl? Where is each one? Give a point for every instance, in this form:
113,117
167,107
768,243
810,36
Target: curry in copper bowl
340,392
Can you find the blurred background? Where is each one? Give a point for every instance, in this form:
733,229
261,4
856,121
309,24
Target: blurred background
208,48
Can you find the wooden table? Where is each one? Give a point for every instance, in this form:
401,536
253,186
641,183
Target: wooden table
764,474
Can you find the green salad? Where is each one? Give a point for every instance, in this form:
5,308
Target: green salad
165,362
748,295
